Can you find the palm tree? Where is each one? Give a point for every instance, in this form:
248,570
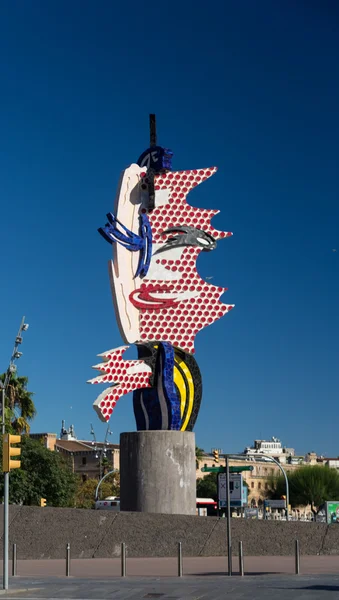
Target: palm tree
19,402
199,455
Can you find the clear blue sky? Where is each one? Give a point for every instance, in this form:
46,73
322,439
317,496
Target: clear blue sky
251,87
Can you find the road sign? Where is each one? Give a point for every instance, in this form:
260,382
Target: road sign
223,469
251,513
236,490
275,503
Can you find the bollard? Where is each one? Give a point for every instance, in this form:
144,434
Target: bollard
241,560
123,559
14,561
68,559
297,557
179,559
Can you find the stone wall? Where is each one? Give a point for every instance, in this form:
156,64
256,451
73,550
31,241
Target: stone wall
44,532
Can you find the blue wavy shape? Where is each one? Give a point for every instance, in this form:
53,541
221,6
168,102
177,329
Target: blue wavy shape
131,241
158,408
166,369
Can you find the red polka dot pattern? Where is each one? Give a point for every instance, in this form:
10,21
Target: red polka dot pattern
180,324
177,211
123,378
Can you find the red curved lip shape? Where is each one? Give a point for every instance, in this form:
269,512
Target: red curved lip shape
150,297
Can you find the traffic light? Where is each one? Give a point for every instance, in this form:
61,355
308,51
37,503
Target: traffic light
42,501
216,455
7,452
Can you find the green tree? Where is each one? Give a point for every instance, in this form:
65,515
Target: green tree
104,465
207,487
43,474
199,456
19,404
85,493
308,485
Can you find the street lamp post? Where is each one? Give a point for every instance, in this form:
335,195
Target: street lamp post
229,534
16,354
6,503
100,451
269,457
101,480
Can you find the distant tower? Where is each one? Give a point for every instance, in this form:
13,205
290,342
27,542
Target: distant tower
67,434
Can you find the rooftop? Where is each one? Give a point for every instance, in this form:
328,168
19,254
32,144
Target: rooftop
83,446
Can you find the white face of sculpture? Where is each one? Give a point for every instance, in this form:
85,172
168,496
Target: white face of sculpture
165,294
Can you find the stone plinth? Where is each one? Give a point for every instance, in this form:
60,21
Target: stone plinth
158,472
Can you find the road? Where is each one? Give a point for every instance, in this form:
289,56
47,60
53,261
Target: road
282,587
204,579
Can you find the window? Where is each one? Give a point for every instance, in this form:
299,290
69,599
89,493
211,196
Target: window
252,485
259,486
84,460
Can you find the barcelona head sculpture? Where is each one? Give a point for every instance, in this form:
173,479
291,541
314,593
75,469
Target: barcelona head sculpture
161,302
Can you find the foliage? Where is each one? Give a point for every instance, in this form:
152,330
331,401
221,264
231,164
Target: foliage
85,493
208,486
308,485
19,404
106,465
199,455
43,474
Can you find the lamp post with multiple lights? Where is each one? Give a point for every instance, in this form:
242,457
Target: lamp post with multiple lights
16,354
100,451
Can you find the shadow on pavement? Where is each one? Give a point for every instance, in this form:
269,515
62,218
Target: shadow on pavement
324,588
320,588
235,574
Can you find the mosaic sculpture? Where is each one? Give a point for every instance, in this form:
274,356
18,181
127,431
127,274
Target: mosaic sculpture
161,302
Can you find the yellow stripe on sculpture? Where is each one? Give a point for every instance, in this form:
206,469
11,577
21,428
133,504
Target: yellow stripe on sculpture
180,383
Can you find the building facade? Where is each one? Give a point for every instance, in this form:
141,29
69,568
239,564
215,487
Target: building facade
274,447
47,439
88,459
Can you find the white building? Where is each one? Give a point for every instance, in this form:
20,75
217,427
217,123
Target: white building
332,463
272,447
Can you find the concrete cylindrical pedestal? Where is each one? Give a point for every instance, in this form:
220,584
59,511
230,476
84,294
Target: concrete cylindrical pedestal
157,472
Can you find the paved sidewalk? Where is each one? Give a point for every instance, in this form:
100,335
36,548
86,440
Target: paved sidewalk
168,567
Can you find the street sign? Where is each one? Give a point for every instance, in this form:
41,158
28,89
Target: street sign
236,490
275,503
251,513
223,469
